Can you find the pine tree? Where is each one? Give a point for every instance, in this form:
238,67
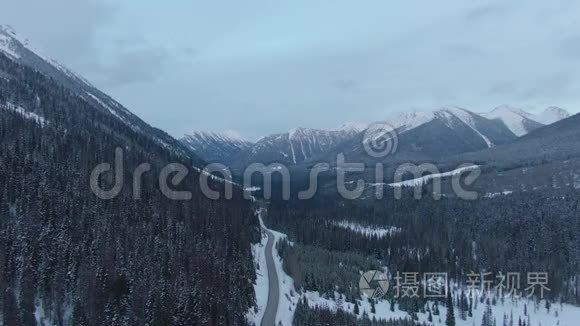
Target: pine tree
487,319
450,320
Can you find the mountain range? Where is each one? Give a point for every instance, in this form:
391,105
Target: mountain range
422,136
68,257
216,147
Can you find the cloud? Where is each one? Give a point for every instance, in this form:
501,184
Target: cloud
570,48
463,50
486,12
292,65
346,85
134,66
65,29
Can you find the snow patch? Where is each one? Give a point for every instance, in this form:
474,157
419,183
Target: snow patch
495,194
513,118
535,312
467,118
24,113
7,47
550,115
422,180
367,230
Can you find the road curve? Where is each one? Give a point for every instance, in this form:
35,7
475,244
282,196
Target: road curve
271,310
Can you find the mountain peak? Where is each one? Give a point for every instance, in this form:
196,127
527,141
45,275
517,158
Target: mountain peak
215,146
552,114
226,136
503,109
410,119
353,126
7,42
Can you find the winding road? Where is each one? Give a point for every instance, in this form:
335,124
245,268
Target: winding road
271,310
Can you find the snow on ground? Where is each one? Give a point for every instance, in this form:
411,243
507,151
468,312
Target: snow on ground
467,118
254,316
559,314
424,179
103,104
495,194
40,315
513,118
7,47
24,113
367,230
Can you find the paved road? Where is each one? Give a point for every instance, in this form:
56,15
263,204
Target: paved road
269,318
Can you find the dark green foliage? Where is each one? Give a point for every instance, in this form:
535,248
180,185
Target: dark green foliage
110,262
315,269
523,232
307,316
450,318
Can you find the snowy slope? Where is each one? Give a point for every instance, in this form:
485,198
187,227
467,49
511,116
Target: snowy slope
551,114
453,117
295,146
21,51
469,119
515,309
215,146
517,120
353,126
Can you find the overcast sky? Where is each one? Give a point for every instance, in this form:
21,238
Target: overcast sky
262,66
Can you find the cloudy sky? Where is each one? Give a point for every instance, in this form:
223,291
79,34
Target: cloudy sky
262,66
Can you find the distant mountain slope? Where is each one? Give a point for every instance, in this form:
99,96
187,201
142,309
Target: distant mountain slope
518,121
215,147
548,157
19,50
426,136
551,114
558,141
295,146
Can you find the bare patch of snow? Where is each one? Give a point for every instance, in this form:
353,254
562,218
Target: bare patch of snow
422,180
495,194
367,230
23,112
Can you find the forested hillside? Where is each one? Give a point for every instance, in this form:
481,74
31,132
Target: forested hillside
522,232
69,258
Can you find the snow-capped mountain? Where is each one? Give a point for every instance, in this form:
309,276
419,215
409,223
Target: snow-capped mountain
546,157
517,120
19,49
353,126
454,118
218,147
296,145
551,114
425,136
